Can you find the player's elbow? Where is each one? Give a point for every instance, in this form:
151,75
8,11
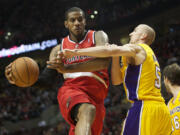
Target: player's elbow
131,52
116,80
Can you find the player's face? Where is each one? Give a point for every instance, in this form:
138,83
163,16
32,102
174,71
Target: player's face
136,35
75,23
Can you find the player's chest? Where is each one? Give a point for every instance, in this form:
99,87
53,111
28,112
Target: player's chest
72,45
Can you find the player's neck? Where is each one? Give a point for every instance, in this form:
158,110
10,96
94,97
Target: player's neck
141,42
78,38
175,91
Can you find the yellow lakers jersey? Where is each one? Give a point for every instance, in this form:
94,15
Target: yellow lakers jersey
142,82
174,109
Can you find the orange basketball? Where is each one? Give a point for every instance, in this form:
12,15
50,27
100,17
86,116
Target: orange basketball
25,71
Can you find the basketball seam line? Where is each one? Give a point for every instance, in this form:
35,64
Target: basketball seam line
13,75
27,70
18,74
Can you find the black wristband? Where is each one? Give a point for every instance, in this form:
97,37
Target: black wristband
46,78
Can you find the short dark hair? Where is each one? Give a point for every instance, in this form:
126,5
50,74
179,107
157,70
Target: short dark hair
172,73
73,9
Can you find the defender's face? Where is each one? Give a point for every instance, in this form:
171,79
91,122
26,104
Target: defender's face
136,35
75,23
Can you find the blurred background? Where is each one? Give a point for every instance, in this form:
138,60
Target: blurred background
32,27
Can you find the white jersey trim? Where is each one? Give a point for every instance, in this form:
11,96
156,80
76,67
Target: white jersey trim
80,41
80,74
140,120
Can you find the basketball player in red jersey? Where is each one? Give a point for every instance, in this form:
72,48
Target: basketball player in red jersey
81,98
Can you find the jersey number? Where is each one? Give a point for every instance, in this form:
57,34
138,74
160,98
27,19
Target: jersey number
158,78
176,123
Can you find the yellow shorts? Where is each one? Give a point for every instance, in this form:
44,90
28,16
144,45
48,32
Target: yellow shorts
147,118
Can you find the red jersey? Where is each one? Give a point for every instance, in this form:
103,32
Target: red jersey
84,78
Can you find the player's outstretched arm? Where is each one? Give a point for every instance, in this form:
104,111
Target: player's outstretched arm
103,51
47,76
44,79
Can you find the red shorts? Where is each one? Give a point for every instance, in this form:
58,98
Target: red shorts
69,96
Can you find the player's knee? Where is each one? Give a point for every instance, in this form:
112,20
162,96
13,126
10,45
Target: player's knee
87,110
91,109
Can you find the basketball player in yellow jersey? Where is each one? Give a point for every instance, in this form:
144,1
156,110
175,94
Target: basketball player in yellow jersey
172,82
141,77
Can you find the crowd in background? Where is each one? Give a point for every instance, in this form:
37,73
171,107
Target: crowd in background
36,22
24,103
32,21
167,48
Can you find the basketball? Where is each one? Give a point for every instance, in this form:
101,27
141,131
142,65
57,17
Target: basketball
25,71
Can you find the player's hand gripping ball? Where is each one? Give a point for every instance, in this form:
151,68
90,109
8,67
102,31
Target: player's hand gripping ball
22,72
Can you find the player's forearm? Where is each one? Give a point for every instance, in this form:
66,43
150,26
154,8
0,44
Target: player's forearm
46,79
99,51
106,51
116,75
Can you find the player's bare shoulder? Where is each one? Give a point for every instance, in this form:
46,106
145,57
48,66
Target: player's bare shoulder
136,48
140,54
54,52
101,38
